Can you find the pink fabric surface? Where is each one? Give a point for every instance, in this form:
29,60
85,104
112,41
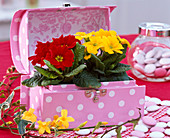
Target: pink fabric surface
159,90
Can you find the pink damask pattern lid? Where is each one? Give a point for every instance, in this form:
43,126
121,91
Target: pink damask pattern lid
32,25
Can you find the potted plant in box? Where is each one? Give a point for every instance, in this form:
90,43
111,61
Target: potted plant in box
84,63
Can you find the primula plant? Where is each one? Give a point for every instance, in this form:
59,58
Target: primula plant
85,63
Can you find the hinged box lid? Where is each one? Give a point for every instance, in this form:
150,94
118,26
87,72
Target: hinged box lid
32,25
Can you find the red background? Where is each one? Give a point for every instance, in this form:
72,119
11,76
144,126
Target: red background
153,89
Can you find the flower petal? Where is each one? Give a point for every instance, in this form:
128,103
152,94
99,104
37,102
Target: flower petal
65,124
64,113
70,119
31,110
47,129
41,130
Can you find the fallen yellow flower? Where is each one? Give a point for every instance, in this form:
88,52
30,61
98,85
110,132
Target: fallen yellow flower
29,116
44,126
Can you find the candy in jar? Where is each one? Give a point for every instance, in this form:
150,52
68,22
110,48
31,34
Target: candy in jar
149,55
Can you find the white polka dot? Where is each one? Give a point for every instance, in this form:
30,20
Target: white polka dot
26,20
90,117
131,113
47,119
17,58
23,30
23,95
80,107
63,86
27,42
101,105
36,99
32,106
17,20
141,101
110,115
40,91
111,93
39,112
15,38
58,109
126,82
70,97
132,91
24,51
120,123
48,99
121,103
105,83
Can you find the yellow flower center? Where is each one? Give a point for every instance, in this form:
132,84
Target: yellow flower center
59,58
111,46
95,44
63,118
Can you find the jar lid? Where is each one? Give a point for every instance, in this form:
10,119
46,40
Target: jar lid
154,29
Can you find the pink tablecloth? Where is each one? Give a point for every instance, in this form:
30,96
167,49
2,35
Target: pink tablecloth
160,90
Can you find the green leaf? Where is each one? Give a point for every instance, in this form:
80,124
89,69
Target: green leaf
52,67
16,109
46,73
32,126
97,63
17,120
1,83
110,59
118,131
119,68
13,78
86,79
47,82
76,71
120,57
10,97
21,126
78,54
22,108
97,126
4,105
2,96
33,81
17,114
98,71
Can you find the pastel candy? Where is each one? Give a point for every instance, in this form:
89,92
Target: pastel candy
83,132
168,124
147,104
166,66
166,54
150,60
105,136
160,72
138,134
156,100
157,64
161,124
167,132
156,135
149,120
145,112
140,58
147,48
97,131
165,103
150,68
158,54
141,123
147,98
132,137
141,128
159,129
164,61
150,54
168,111
139,67
152,108
165,119
141,52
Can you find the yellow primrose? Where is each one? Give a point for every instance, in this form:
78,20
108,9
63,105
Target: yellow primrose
81,35
29,116
124,41
104,123
56,123
102,33
64,119
94,44
44,126
111,44
86,57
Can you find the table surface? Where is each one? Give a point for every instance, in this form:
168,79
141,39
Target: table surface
160,90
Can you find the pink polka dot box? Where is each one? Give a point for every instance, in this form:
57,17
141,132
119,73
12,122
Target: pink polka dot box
114,102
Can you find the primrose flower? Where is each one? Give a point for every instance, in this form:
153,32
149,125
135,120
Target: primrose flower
104,123
111,44
29,116
56,123
124,41
94,44
44,126
81,35
64,119
106,33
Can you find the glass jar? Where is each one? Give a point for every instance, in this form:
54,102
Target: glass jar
149,55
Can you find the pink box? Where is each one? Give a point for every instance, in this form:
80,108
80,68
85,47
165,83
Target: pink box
114,102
